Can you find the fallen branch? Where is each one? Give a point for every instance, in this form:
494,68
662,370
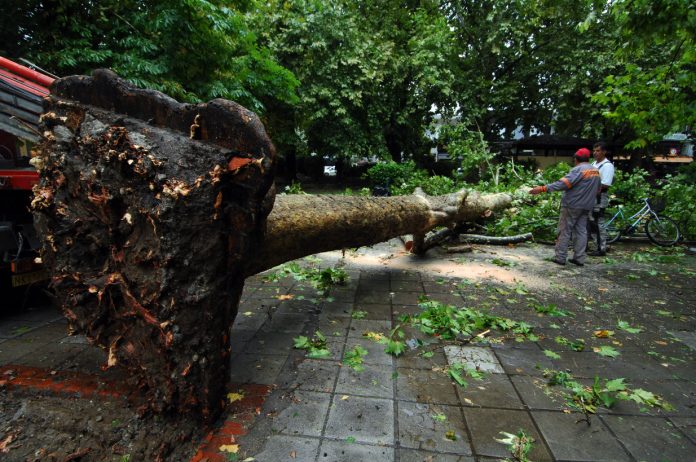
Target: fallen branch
459,249
496,240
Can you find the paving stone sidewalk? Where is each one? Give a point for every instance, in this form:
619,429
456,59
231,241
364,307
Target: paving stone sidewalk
408,408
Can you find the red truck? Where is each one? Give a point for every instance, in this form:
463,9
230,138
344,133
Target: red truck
21,94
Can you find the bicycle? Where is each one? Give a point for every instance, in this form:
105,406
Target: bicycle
661,230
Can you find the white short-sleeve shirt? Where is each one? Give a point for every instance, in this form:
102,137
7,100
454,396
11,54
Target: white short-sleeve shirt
606,171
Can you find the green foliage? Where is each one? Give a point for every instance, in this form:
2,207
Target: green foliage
456,370
468,147
404,178
623,325
395,343
550,309
679,193
448,322
629,189
651,90
370,72
193,50
577,345
522,63
393,174
519,445
354,358
315,347
607,350
602,392
358,314
321,279
295,187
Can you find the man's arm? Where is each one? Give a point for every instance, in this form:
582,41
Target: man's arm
563,184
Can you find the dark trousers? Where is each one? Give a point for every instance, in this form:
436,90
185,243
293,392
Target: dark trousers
596,229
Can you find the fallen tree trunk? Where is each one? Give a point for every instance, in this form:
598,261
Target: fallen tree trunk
153,212
301,225
495,240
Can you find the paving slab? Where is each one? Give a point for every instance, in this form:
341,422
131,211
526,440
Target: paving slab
425,386
304,415
359,326
433,427
413,455
414,359
55,357
493,390
523,361
310,375
374,311
536,395
13,349
651,438
287,448
485,426
254,368
367,420
17,328
589,442
374,381
687,425
330,325
479,358
680,394
343,451
375,351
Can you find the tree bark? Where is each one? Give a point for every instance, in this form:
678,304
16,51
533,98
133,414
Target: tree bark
153,212
301,225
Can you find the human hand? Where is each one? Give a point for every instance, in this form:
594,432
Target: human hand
536,190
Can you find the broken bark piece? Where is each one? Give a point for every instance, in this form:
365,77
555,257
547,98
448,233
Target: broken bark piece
495,240
153,212
459,249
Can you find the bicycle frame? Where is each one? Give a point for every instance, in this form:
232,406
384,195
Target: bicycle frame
641,214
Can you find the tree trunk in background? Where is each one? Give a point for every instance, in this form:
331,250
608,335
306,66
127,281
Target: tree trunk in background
153,212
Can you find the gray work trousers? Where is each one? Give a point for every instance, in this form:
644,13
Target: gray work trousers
572,223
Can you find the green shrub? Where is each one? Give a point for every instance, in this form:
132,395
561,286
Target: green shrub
679,193
630,188
393,174
405,178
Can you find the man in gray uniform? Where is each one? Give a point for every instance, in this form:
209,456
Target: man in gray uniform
580,188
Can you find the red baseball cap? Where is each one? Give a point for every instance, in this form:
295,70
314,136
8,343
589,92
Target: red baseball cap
582,153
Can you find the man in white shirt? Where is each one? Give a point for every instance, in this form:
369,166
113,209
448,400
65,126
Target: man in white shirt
606,174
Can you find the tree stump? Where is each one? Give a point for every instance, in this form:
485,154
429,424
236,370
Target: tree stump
153,212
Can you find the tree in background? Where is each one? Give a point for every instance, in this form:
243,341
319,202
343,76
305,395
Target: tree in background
526,65
652,89
370,73
193,50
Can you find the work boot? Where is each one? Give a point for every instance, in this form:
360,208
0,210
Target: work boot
575,262
597,253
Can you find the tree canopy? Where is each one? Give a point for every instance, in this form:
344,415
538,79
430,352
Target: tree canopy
369,78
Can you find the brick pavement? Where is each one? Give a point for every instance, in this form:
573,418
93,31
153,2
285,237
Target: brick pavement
407,408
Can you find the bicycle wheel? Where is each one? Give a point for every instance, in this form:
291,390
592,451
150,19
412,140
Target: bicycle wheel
662,231
613,226
613,232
